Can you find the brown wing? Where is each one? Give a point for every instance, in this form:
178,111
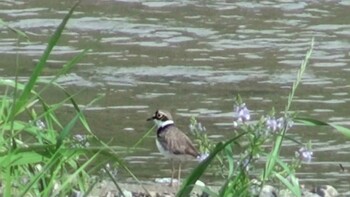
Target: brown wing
179,143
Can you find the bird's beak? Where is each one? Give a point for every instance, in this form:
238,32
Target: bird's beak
151,118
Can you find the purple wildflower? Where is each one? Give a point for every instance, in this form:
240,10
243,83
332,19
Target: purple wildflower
274,124
242,114
271,123
304,154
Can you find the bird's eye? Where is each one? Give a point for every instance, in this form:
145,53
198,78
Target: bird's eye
159,116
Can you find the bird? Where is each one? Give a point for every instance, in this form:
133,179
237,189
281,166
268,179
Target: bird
172,142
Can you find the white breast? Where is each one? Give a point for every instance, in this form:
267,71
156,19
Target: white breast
164,152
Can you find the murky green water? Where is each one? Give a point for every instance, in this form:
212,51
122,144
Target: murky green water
192,57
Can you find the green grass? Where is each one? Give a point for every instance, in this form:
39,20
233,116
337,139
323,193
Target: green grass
38,154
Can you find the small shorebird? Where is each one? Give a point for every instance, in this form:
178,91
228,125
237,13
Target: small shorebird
172,142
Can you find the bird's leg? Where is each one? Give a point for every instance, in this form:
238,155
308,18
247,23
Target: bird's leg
179,174
172,173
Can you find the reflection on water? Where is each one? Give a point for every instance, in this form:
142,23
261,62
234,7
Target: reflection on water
191,58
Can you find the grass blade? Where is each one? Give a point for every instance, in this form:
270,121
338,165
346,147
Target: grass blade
66,130
64,70
312,122
142,138
78,171
300,74
189,183
279,140
17,31
24,97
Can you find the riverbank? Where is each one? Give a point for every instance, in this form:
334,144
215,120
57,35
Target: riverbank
154,189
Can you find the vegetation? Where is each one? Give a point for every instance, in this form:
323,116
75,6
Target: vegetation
238,173
40,156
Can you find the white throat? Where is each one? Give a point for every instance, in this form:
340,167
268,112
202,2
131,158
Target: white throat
161,124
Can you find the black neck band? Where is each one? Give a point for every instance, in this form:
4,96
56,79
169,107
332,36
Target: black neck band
161,129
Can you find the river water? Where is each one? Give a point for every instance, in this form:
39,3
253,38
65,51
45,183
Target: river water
192,58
